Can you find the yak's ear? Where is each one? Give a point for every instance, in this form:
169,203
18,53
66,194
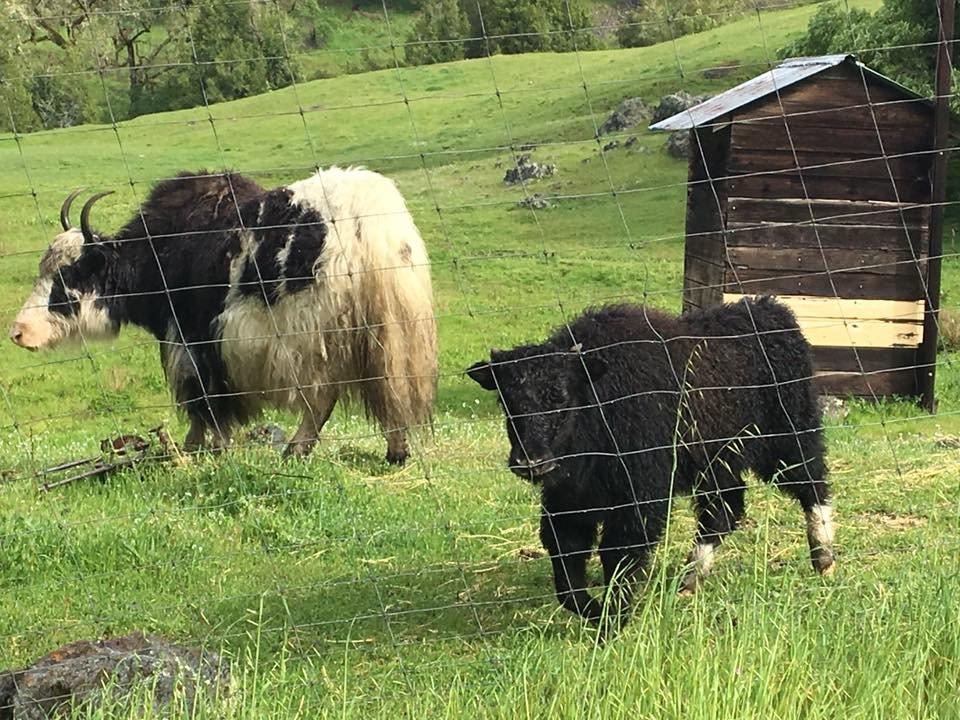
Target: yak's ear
595,365
91,261
482,374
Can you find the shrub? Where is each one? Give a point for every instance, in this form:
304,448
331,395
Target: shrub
441,24
662,20
948,339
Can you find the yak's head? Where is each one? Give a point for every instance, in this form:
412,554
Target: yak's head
68,295
542,391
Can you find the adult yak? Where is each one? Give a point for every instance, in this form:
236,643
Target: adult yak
294,297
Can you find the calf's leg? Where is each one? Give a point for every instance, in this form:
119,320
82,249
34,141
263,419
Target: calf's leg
569,541
718,509
629,536
802,475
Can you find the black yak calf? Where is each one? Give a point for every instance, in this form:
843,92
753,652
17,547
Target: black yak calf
627,407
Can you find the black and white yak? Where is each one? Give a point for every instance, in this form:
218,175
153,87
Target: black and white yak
626,407
294,297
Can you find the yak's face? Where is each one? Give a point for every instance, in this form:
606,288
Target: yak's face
66,301
542,392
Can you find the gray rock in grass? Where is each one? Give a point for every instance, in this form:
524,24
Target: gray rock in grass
88,672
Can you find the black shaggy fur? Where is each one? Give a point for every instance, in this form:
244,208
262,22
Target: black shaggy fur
168,271
646,406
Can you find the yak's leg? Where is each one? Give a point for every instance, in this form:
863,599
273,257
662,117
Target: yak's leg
315,416
569,541
196,435
397,450
220,440
385,398
718,512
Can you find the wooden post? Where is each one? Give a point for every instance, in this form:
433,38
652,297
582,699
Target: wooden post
927,357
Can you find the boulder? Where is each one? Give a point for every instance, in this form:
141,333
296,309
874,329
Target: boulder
675,103
526,169
83,673
535,202
678,144
630,112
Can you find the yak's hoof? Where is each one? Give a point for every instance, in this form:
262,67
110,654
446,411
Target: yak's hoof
298,449
397,458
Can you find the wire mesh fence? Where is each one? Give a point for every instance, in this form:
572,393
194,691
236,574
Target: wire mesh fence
310,476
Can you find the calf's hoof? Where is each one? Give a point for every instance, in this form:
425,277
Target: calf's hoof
823,562
688,586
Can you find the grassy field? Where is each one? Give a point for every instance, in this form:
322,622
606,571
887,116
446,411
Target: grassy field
342,587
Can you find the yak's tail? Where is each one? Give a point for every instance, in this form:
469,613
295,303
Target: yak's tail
398,363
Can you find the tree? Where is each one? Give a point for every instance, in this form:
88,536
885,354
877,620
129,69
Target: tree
238,53
56,21
143,35
440,33
899,40
16,109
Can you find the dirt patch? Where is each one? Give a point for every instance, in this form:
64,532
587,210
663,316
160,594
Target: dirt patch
892,521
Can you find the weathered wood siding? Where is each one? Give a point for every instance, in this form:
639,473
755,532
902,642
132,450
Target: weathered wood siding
826,205
703,262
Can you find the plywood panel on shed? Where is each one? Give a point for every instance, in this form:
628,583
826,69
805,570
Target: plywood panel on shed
861,333
911,240
835,322
834,212
855,284
881,384
811,184
809,136
837,261
864,359
812,307
819,164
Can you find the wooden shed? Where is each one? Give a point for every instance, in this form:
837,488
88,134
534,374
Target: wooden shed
812,182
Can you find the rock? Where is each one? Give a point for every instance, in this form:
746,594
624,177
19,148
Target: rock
675,103
712,73
272,435
527,170
628,113
631,141
528,147
833,408
81,673
612,145
535,202
678,144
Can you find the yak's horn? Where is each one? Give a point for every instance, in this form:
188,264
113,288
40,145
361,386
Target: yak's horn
65,209
88,234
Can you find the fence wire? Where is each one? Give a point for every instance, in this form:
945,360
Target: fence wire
342,549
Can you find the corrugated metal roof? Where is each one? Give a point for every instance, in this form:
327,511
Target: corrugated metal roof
787,73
